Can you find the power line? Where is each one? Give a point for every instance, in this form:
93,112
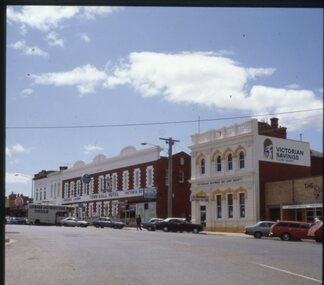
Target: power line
158,123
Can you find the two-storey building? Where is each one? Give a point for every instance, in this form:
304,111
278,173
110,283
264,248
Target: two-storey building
230,167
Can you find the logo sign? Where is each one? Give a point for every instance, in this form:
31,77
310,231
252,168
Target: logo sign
86,178
284,151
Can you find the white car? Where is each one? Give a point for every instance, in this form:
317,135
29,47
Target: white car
74,222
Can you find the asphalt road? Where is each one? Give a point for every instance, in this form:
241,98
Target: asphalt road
38,255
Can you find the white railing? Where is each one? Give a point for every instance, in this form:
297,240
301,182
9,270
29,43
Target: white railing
222,133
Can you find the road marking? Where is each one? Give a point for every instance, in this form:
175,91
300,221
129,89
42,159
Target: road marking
291,273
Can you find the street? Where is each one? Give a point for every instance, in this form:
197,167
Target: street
60,255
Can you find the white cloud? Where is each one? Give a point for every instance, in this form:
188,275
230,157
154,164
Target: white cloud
85,78
45,18
54,40
26,92
213,80
28,50
85,38
203,78
17,148
293,86
18,178
91,148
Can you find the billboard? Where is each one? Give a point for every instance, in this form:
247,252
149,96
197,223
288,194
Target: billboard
283,151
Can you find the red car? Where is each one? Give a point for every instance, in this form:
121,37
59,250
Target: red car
290,230
316,231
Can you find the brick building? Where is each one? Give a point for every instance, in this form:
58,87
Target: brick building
231,167
132,183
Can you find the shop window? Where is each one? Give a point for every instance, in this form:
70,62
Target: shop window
230,206
242,160
219,206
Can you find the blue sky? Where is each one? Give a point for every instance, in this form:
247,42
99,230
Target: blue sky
77,66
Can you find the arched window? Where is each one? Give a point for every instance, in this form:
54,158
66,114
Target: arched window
218,164
242,160
229,162
202,166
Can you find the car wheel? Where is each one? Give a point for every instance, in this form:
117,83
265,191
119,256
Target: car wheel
165,229
257,235
149,228
195,231
286,237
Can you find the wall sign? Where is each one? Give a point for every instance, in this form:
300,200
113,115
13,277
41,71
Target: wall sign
283,151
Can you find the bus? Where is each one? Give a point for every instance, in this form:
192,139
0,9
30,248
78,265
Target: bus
48,214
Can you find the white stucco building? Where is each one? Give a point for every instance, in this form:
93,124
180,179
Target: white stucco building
227,169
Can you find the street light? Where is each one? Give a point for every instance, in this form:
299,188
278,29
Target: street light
31,179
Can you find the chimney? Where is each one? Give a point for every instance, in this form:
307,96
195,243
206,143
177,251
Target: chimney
274,122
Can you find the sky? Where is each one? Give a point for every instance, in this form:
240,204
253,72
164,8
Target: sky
83,81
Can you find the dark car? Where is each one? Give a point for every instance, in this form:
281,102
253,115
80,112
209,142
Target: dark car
290,230
260,229
316,231
107,222
178,225
150,225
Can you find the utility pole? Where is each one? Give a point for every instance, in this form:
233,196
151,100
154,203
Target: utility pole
170,142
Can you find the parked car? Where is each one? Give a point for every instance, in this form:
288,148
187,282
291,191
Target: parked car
289,230
150,225
107,222
17,220
316,231
260,229
74,222
178,225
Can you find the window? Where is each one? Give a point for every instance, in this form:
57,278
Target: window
40,195
91,186
202,166
218,164
241,160
230,205
181,161
78,187
149,176
108,183
125,180
137,178
66,190
242,205
51,191
114,182
229,162
101,184
98,209
72,189
181,176
219,206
